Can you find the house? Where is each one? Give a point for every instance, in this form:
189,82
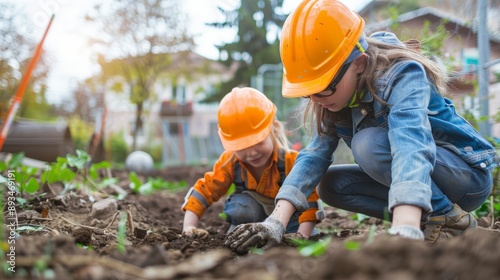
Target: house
185,129
460,45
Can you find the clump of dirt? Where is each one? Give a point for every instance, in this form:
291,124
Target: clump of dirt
77,236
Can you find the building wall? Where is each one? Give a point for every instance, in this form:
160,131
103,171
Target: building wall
121,113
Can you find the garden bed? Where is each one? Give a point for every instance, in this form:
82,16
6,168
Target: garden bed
82,236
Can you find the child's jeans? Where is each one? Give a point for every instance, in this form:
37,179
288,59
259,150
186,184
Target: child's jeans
242,208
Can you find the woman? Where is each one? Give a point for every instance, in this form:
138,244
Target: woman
418,162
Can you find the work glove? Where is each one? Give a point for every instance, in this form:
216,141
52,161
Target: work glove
263,235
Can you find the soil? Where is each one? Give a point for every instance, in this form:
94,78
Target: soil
69,237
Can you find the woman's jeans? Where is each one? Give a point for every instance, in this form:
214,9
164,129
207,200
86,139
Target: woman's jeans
364,187
242,208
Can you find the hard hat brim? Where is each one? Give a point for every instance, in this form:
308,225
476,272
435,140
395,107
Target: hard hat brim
245,142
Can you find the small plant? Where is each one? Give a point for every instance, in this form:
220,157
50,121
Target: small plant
358,217
352,245
310,248
153,184
24,176
121,236
223,216
77,171
230,191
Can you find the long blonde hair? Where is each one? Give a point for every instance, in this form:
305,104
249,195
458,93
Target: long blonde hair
379,58
278,135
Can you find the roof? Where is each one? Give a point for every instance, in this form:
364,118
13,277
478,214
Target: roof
196,61
422,12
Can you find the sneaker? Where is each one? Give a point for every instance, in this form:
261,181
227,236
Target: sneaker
452,224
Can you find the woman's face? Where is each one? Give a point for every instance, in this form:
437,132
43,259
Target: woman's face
259,155
345,88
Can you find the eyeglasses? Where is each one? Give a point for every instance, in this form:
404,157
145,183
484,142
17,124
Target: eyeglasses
333,84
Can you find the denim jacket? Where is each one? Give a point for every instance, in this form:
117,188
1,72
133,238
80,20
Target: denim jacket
417,119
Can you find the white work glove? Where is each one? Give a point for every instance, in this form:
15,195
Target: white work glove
263,235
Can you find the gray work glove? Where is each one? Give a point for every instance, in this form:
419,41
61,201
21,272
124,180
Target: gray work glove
263,235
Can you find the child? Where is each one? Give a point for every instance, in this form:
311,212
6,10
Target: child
256,159
416,158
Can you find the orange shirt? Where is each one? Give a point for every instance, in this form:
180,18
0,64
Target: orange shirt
216,183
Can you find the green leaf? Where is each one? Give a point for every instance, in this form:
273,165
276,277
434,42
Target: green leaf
122,233
101,165
58,173
62,161
3,179
3,166
223,215
16,160
256,251
231,189
32,186
360,217
78,161
106,182
30,170
146,189
352,245
315,249
96,167
21,201
135,183
161,184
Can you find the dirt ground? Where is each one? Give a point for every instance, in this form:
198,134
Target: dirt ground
72,237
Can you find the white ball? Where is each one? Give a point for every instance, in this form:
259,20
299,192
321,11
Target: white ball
139,161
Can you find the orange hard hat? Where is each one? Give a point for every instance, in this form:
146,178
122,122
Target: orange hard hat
245,118
317,38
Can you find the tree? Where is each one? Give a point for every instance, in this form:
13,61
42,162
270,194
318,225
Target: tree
258,23
16,51
135,39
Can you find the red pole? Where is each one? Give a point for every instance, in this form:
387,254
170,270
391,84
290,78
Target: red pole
22,87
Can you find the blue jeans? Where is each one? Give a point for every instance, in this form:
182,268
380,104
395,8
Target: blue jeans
242,208
364,187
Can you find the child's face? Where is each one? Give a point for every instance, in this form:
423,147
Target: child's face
258,155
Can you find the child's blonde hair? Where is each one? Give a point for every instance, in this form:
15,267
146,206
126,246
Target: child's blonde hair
278,135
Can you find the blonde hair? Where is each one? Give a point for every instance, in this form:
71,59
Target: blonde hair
278,135
379,58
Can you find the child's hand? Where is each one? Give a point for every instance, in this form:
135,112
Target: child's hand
295,235
196,233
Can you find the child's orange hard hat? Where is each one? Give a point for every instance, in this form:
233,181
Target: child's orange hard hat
245,118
